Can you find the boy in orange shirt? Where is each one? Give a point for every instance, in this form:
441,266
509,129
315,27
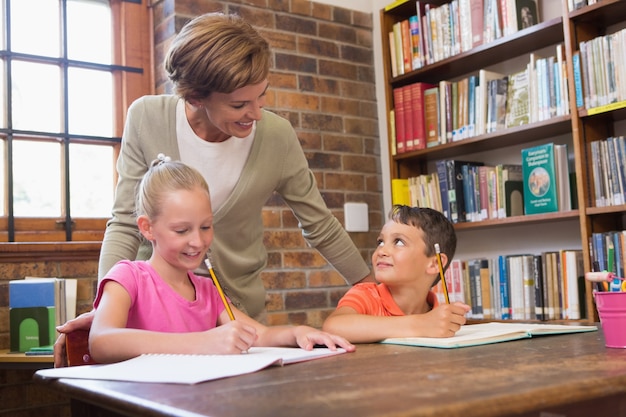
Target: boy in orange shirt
405,265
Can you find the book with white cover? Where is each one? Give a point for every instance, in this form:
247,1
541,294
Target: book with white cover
487,333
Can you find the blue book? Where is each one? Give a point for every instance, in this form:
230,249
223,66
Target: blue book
504,288
32,293
578,81
471,105
599,250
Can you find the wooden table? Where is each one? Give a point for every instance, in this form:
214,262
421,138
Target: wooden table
568,375
10,360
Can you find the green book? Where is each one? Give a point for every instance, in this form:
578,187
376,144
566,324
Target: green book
540,190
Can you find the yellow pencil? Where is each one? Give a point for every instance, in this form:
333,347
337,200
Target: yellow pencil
441,276
219,289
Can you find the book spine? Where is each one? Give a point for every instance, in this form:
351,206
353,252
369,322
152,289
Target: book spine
399,110
443,187
578,80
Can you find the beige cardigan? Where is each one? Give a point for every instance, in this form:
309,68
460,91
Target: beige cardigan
276,164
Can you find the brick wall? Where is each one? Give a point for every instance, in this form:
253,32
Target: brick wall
322,80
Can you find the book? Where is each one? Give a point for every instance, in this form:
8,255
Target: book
487,333
408,117
399,118
517,103
540,190
482,98
456,199
417,112
400,191
527,13
189,369
431,116
442,174
561,164
36,307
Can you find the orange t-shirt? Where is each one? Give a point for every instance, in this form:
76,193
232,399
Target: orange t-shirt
375,300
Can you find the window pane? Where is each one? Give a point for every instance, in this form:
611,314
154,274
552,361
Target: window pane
3,96
3,202
91,180
37,179
89,31
36,100
35,16
90,102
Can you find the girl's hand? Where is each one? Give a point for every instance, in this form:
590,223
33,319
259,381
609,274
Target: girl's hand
233,337
307,337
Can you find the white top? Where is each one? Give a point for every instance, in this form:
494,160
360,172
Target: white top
220,163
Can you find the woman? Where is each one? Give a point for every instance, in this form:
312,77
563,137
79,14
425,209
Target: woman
216,123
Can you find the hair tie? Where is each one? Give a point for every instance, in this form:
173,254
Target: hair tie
162,158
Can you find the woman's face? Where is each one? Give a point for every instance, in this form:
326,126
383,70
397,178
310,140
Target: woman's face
234,113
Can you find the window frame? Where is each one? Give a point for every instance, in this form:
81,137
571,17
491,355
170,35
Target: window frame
49,237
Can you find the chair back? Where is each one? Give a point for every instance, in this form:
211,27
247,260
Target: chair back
77,348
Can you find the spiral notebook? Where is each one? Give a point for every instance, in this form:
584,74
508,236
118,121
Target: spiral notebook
189,369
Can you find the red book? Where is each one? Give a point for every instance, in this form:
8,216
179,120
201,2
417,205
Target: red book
407,53
398,102
408,118
476,10
417,110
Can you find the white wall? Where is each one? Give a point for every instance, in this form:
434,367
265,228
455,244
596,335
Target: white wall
374,7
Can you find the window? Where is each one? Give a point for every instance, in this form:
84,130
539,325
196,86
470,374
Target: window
64,94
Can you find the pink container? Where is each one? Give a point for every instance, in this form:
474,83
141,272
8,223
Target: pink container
612,311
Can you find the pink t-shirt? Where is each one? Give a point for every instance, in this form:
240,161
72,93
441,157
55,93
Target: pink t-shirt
156,306
375,300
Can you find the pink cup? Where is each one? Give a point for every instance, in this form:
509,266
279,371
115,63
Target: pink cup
612,311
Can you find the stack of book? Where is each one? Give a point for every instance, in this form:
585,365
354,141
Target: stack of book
36,307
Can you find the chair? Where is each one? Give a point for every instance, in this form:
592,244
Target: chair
77,348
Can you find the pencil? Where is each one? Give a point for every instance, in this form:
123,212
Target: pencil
441,276
219,289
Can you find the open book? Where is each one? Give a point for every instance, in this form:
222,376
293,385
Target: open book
486,333
189,369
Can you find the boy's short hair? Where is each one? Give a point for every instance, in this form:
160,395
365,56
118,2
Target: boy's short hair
435,226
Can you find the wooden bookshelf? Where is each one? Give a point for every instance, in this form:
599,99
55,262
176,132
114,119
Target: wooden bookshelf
582,125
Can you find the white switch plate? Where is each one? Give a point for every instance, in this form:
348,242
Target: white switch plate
356,218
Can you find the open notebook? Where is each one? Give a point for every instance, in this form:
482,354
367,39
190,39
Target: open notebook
486,333
189,369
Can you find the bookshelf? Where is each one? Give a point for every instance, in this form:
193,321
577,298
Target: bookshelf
561,23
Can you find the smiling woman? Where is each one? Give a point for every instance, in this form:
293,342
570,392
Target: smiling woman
68,76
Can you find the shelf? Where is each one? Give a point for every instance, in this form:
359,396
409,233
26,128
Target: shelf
602,14
522,42
507,137
519,220
597,211
616,111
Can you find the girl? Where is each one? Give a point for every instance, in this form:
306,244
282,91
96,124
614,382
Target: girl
159,305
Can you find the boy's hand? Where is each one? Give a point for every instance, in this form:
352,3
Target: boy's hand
445,320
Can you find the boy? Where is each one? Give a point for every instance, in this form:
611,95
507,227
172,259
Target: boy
405,265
